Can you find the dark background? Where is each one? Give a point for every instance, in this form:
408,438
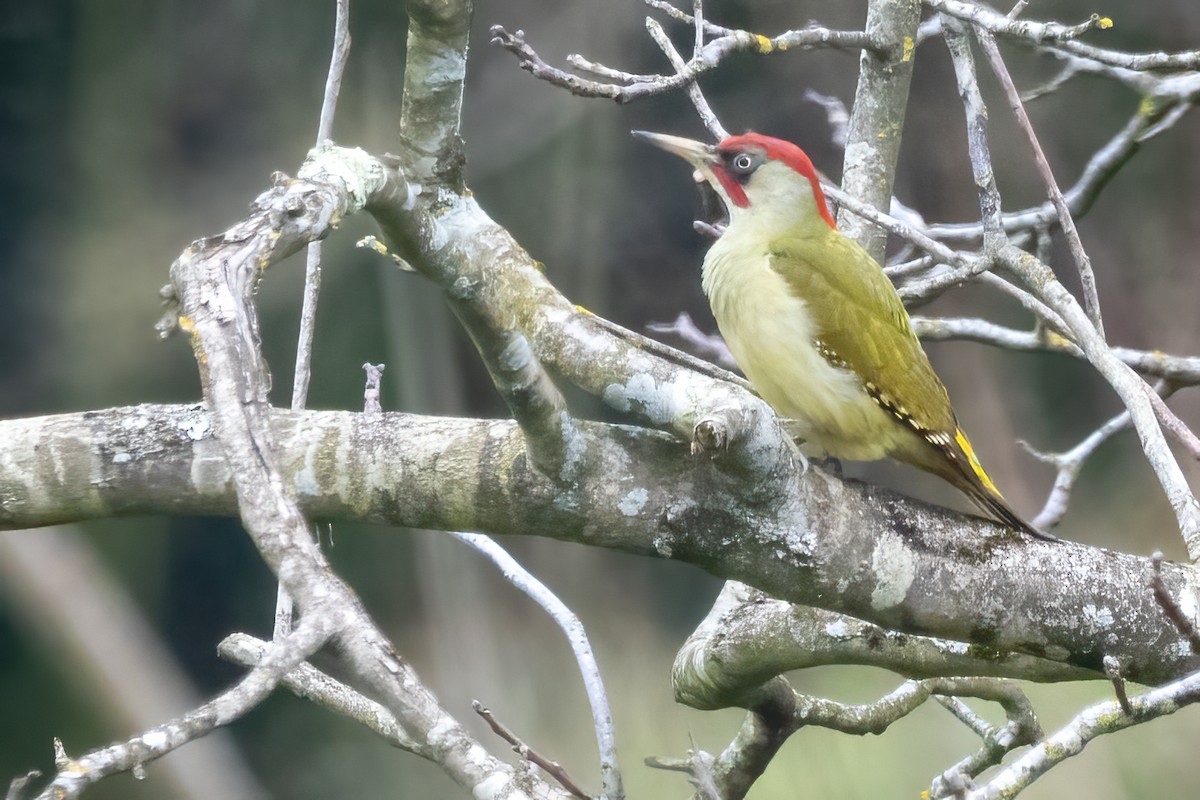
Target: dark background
131,127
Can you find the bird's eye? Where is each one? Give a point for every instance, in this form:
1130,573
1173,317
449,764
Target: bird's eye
743,163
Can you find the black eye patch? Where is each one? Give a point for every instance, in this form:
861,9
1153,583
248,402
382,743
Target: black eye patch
742,163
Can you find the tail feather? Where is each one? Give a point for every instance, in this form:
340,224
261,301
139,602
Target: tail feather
997,507
976,484
955,460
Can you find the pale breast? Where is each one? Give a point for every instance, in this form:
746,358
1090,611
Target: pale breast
772,336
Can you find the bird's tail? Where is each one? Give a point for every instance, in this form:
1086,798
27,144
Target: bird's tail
969,476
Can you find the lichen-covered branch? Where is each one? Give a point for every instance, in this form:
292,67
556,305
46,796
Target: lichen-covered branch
76,774
624,87
1063,37
1069,741
840,545
215,278
877,116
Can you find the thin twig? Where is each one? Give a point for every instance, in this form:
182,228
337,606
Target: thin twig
681,16
312,269
698,766
552,768
963,713
1097,720
371,404
977,143
1062,37
1128,385
76,774
1070,463
610,773
707,116
1173,425
310,683
708,346
1112,668
628,87
1178,370
312,276
1087,278
1170,608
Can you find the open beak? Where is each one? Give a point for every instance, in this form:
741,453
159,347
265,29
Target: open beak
702,157
696,153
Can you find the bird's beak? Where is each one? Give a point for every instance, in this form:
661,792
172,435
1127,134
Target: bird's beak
696,153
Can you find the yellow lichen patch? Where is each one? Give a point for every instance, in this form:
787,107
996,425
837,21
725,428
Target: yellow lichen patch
909,46
264,258
582,310
1057,340
764,44
186,325
1103,23
373,243
976,467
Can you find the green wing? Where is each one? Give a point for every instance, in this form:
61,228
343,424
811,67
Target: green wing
862,325
861,322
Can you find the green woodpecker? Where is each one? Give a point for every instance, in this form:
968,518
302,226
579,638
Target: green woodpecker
816,325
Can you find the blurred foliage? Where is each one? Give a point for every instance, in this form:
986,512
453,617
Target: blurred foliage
132,127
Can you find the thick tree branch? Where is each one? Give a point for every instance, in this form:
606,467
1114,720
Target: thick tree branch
877,117
911,567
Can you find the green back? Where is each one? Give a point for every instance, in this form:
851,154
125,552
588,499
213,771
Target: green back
861,319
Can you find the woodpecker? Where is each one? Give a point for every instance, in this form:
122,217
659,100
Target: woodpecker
816,325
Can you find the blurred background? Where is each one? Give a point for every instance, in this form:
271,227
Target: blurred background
132,127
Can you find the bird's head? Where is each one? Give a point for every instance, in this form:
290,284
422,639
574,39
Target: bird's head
760,179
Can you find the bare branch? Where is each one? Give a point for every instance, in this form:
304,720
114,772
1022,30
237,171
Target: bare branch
1172,424
1112,668
1032,32
708,346
1097,720
1062,37
76,774
55,580
552,768
215,279
1169,606
1166,98
877,117
572,628
711,123
536,403
800,546
371,390
312,274
1177,370
1128,386
307,682
626,87
977,143
1069,464
1087,278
